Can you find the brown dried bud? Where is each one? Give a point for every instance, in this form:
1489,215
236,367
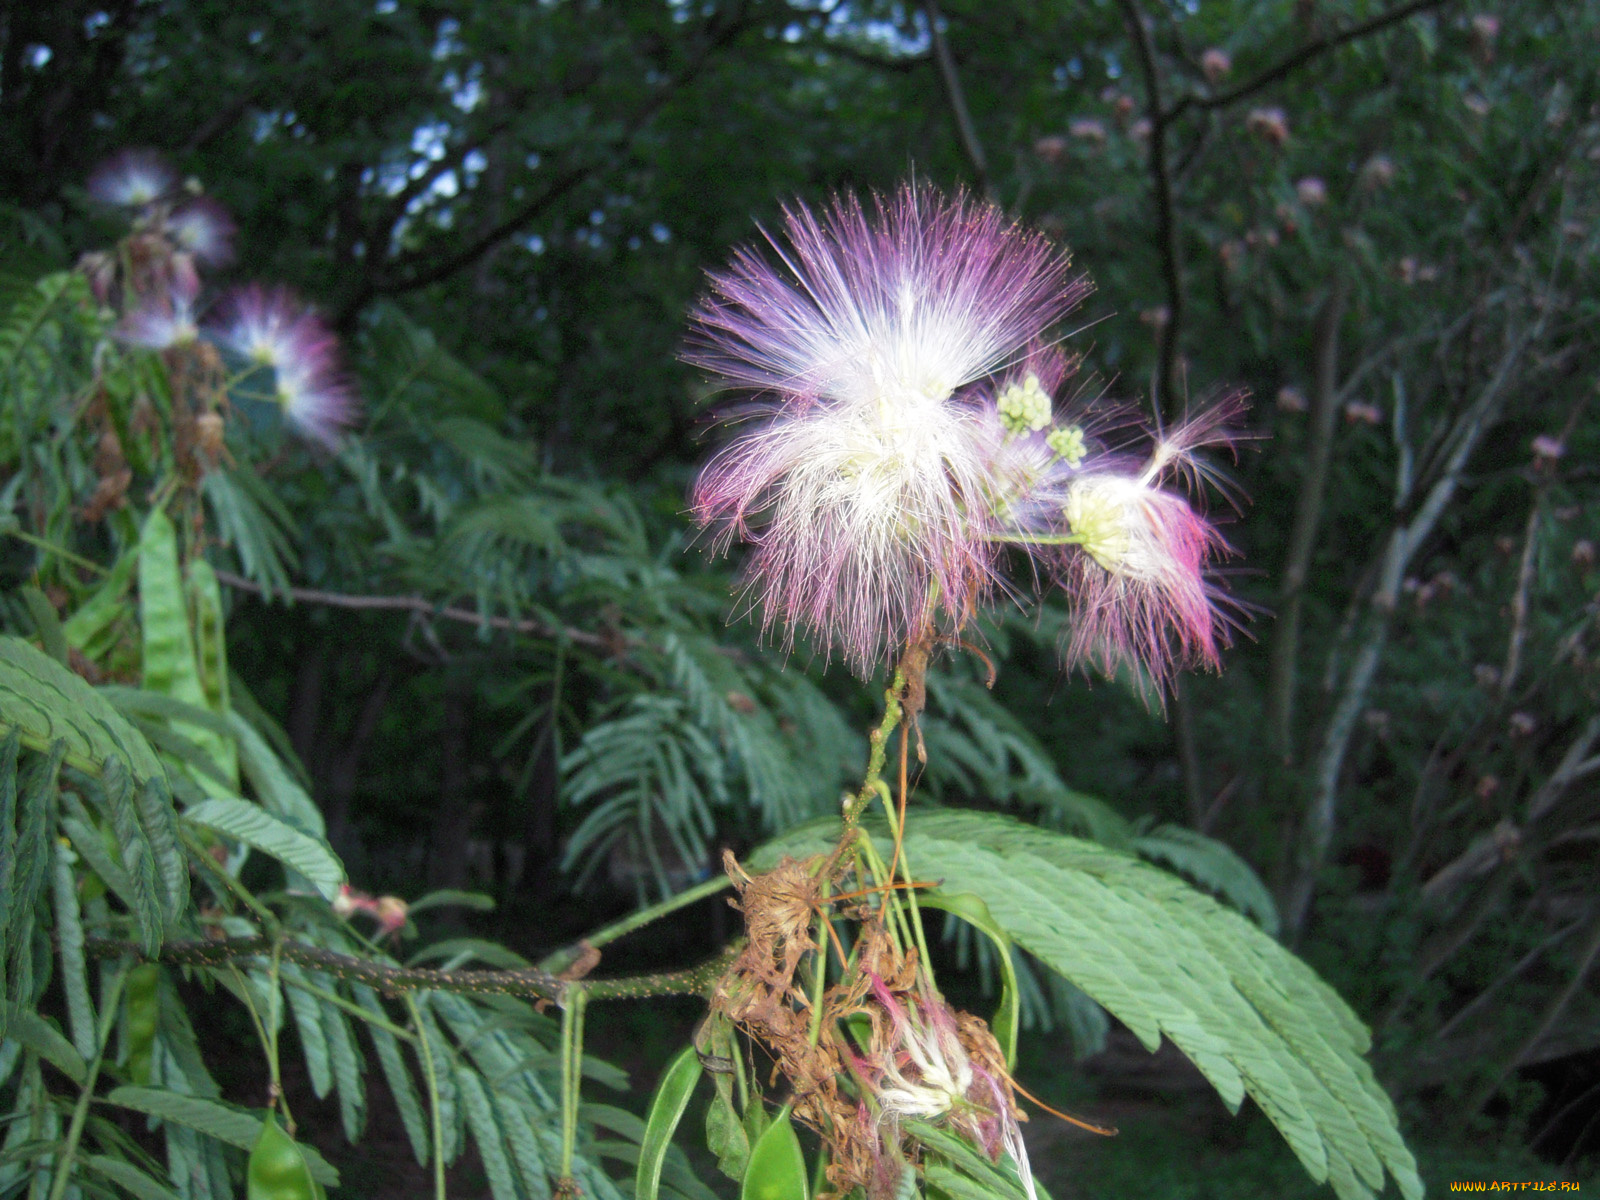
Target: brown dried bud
1051,149
1271,124
1311,192
1292,400
1378,172
208,438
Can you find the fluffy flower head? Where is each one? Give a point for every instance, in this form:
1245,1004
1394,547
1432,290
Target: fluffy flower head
203,228
937,1065
272,329
861,474
132,179
1137,578
166,318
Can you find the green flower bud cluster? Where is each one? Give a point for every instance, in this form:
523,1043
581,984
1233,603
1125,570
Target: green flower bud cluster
1066,443
1024,407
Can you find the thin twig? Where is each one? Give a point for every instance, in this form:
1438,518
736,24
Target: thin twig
958,99
421,605
1299,58
1166,219
1307,518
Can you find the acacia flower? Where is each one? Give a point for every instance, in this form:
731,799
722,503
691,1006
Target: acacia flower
923,1067
132,179
861,468
203,228
166,319
1134,554
272,329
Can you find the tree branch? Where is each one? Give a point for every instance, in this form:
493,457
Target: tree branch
1299,58
1307,519
958,100
424,606
393,980
1407,536
1167,391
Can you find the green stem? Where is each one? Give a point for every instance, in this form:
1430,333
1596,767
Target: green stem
80,1112
274,1023
819,966
232,886
436,1121
1038,539
355,1010
571,1072
636,920
879,742
911,892
60,551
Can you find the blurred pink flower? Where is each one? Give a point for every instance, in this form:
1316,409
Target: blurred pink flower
132,179
203,228
1215,64
1377,172
272,329
1311,192
1547,448
1051,148
164,320
1087,129
1269,123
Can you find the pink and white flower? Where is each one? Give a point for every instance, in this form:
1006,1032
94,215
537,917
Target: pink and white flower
903,429
1134,556
132,179
860,472
272,329
167,319
203,228
925,1072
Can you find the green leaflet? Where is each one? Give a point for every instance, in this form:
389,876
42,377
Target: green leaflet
37,1034
278,1168
1214,866
8,849
961,1172
1171,962
170,666
274,786
259,829
777,1168
349,1071
666,1110
399,1079
47,703
233,1126
211,653
485,1129
47,623
69,940
36,795
308,1022
137,856
84,627
252,519
128,1177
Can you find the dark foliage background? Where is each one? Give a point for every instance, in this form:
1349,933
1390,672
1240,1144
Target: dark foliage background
1381,219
